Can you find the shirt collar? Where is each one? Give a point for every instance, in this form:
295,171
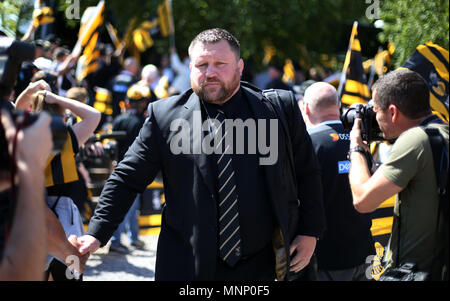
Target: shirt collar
230,107
431,119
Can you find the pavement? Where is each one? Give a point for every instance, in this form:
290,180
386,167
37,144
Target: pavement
138,265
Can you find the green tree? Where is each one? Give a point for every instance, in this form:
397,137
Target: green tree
290,25
409,23
299,30
14,15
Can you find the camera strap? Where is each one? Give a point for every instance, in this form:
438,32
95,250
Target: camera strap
441,167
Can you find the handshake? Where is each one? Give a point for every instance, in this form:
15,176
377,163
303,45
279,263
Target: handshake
76,253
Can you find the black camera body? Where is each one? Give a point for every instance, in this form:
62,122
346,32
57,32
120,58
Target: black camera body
57,126
99,167
12,55
370,130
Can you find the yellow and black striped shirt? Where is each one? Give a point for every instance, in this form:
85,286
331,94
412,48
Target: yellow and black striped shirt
61,168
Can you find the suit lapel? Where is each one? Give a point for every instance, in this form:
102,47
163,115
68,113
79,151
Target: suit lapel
202,161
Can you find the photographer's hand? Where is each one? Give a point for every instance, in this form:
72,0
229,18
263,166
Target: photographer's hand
34,143
368,192
28,234
356,137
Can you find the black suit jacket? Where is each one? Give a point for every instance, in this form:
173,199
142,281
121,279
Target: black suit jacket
187,244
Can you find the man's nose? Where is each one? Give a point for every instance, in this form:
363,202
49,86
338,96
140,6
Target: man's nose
210,71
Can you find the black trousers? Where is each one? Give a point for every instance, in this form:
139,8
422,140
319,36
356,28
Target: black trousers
259,267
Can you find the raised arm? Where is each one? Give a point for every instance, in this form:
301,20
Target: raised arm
25,99
90,116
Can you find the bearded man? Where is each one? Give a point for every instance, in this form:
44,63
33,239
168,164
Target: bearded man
227,216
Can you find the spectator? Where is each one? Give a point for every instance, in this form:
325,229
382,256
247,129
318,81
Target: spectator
276,74
181,81
138,97
150,78
43,55
347,241
122,82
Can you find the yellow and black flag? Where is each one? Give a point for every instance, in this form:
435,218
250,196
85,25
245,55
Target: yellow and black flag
431,62
91,22
43,12
288,72
353,83
142,36
161,24
382,60
165,18
44,18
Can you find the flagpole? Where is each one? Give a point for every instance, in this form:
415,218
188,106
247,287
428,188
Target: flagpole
171,25
346,62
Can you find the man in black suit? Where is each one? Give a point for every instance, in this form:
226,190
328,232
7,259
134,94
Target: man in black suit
235,209
347,241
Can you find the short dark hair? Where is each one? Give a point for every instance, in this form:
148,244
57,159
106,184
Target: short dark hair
405,89
216,35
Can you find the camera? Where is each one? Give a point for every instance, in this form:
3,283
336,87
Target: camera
101,167
370,130
12,54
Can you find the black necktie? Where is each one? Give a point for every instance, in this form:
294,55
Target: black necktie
229,233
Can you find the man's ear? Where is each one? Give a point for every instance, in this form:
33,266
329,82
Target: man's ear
241,66
394,112
306,108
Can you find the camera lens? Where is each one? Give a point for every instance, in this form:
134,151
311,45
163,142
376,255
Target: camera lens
348,118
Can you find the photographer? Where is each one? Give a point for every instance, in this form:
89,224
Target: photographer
25,248
401,104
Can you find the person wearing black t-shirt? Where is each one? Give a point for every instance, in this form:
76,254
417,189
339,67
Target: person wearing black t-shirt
138,98
347,241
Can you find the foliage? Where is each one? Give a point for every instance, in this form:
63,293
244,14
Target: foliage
409,23
289,25
13,15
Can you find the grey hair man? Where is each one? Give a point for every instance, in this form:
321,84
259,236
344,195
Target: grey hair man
347,241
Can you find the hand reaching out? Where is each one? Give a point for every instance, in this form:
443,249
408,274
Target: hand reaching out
82,259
